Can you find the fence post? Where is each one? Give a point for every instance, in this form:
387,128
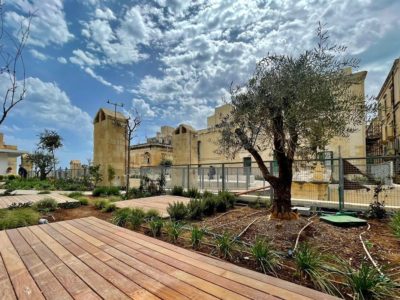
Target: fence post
271,170
341,184
223,177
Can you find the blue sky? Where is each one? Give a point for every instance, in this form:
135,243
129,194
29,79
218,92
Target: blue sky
173,60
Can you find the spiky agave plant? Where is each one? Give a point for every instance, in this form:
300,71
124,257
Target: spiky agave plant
265,255
311,264
367,283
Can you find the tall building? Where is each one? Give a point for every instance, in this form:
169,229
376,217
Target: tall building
389,111
110,145
8,157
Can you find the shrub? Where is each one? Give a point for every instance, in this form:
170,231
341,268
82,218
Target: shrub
229,198
44,192
69,204
20,205
196,236
177,210
106,191
311,264
174,230
75,195
109,207
209,206
220,204
18,218
193,193
177,191
195,209
100,204
367,283
134,193
1,177
395,224
376,210
155,226
83,200
225,245
46,205
207,194
120,217
265,255
11,177
135,218
152,214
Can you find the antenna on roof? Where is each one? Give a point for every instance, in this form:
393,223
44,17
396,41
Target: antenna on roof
115,107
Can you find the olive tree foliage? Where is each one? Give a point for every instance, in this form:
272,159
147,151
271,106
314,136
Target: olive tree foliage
12,67
50,140
293,105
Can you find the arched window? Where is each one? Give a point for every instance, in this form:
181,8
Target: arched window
147,158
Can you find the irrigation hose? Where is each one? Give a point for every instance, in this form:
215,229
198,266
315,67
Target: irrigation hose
369,255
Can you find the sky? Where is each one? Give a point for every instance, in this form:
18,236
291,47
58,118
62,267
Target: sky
173,60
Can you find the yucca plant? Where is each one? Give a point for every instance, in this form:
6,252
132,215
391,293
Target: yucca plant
135,218
197,236
265,255
155,226
311,264
174,230
395,224
177,211
120,217
225,245
367,283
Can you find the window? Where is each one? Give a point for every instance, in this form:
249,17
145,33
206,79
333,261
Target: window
147,158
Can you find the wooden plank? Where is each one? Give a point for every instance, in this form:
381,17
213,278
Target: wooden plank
50,286
70,281
24,285
94,280
121,282
230,271
148,275
6,288
173,266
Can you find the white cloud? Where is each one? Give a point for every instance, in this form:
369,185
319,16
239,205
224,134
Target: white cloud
106,14
83,58
48,25
62,60
38,55
117,88
143,108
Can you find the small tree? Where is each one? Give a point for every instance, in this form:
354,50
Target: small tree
50,141
166,162
42,161
12,64
132,123
110,174
293,105
95,175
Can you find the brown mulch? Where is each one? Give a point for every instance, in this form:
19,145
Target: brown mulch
79,212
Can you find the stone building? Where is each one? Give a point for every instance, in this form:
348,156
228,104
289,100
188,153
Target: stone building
110,145
154,151
389,111
373,138
8,157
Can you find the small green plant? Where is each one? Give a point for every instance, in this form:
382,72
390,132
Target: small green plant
367,283
177,211
220,204
228,197
193,193
20,205
395,224
135,218
155,226
44,192
177,191
46,205
83,200
196,236
110,174
109,207
209,206
225,245
195,209
75,195
13,218
152,214
207,194
69,204
100,204
120,217
103,191
311,264
174,230
265,255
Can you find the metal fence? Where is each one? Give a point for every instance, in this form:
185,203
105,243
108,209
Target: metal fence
63,173
340,183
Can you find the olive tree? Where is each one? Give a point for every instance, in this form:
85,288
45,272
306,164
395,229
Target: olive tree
50,141
292,105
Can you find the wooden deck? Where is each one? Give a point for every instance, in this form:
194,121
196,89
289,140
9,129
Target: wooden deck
91,259
159,203
6,201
